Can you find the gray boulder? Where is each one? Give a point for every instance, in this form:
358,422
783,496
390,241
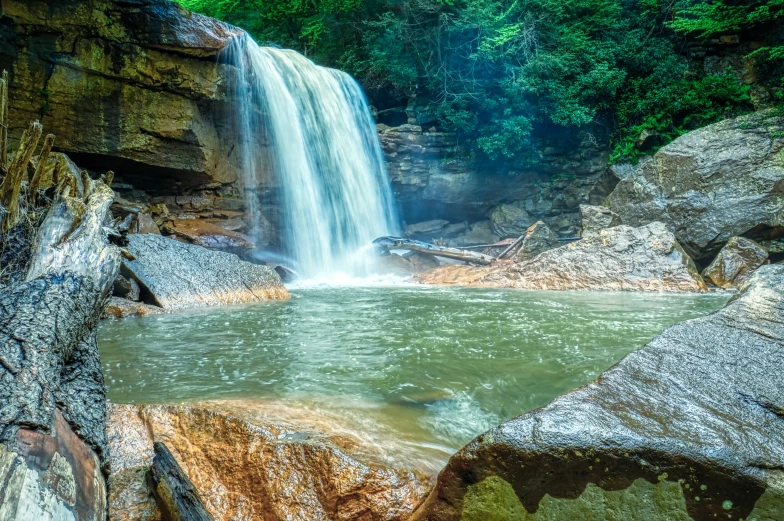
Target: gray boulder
478,233
538,239
594,219
717,182
509,221
735,262
175,275
690,427
621,258
426,227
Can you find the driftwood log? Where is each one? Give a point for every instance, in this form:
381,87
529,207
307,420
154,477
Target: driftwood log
176,496
57,272
385,244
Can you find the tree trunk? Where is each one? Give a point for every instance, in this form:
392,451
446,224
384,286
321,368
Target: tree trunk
52,395
174,492
384,244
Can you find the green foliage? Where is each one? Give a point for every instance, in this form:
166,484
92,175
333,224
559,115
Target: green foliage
498,71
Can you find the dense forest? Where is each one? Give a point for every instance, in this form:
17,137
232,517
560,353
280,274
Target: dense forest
499,71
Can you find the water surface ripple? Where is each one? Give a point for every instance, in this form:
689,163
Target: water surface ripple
428,367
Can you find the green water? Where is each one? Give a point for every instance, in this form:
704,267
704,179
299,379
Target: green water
427,367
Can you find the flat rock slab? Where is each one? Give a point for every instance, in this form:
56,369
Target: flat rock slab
623,258
178,275
690,427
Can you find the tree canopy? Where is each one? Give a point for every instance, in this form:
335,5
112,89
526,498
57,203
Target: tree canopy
500,70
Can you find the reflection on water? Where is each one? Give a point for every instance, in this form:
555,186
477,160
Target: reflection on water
423,369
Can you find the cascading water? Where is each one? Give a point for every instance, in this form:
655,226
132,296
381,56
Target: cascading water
323,147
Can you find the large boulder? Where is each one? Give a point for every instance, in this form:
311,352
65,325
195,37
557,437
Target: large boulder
539,238
251,466
620,259
174,275
509,221
689,427
735,262
711,184
594,219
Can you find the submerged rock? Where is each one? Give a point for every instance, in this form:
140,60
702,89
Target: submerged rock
539,238
176,275
735,262
690,427
711,184
597,218
248,467
621,259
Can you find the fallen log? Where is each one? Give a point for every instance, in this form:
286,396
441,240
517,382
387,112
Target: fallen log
175,494
385,244
52,395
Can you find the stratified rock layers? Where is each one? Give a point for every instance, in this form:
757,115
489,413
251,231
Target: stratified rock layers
248,470
127,86
178,275
688,428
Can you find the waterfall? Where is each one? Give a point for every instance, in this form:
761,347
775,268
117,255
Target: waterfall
314,127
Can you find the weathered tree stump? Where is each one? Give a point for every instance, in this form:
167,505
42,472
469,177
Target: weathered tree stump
54,282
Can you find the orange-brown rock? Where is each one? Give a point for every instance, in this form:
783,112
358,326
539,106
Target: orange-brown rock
252,468
121,308
455,275
208,234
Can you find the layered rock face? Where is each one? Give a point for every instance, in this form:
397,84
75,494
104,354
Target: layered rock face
432,180
711,184
136,88
623,258
127,86
252,469
688,428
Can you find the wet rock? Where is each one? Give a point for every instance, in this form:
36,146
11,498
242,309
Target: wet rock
509,221
253,467
208,234
619,259
455,275
688,427
478,233
711,184
405,265
538,239
144,223
119,307
597,218
178,275
126,288
427,227
735,262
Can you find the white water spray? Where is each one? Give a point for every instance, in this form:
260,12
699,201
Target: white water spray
325,153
